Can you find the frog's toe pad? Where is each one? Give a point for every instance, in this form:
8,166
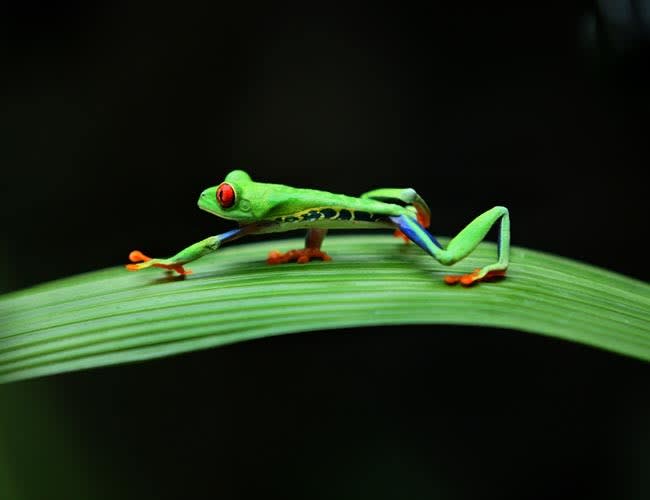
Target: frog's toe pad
141,261
134,267
138,256
475,277
301,256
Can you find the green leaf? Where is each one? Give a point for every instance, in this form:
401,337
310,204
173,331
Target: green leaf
113,316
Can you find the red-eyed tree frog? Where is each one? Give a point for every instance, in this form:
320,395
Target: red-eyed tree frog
269,208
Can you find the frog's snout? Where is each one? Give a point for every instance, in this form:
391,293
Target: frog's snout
208,202
205,195
203,200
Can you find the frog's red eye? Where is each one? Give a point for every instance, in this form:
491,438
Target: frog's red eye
225,195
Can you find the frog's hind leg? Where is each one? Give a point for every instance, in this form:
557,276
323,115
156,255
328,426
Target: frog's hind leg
463,244
403,196
313,242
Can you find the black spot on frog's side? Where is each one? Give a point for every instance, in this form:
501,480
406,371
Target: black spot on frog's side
345,214
311,216
328,213
364,216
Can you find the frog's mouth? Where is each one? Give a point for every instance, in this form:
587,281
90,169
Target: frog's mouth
235,214
207,208
206,203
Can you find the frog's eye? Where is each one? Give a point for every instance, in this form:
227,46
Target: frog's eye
225,195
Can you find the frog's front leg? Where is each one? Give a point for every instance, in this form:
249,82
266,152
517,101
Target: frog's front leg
193,252
313,242
464,243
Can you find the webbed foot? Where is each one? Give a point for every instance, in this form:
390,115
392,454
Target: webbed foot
143,262
476,276
301,256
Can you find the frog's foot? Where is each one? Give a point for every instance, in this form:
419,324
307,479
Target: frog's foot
143,262
476,276
301,256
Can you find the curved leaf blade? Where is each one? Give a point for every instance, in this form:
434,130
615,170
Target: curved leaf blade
111,316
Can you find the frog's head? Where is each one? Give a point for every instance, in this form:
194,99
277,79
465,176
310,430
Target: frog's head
230,199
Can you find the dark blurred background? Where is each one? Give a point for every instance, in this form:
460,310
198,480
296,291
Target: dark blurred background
114,117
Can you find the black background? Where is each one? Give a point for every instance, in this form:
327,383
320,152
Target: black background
115,118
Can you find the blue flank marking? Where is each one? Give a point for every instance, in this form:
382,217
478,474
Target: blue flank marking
228,234
408,226
499,243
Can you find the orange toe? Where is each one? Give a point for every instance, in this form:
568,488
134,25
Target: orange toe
452,279
301,256
473,277
463,279
274,257
468,279
138,256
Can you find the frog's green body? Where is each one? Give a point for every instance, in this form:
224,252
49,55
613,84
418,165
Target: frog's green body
267,208
293,208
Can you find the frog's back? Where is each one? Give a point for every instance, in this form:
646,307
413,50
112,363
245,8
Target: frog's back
328,206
